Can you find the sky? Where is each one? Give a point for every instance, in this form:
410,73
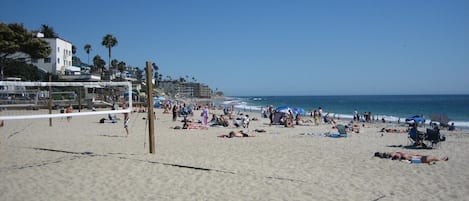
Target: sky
270,47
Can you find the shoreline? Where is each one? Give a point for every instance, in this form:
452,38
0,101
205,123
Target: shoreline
245,103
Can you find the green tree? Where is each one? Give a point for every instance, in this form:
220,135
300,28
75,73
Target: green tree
88,50
98,64
156,74
139,74
109,41
14,38
24,71
181,79
114,63
121,66
48,31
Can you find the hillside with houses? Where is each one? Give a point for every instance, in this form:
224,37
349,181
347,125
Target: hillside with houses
40,55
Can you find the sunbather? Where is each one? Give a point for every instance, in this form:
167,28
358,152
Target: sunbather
408,156
236,134
393,130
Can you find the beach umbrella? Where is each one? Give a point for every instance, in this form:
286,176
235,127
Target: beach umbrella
416,118
440,118
283,109
300,111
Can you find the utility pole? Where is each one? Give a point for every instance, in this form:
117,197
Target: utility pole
151,123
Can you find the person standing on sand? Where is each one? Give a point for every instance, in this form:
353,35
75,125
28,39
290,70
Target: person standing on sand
204,115
175,111
271,115
316,117
126,120
320,112
289,120
69,110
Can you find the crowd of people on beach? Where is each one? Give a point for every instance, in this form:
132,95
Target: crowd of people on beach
230,118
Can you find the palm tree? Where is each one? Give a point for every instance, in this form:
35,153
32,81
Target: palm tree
48,31
121,66
109,41
88,50
155,73
114,63
99,64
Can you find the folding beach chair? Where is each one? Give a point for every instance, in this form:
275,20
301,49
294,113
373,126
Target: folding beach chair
434,136
342,131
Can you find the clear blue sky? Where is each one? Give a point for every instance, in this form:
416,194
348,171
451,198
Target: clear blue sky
268,47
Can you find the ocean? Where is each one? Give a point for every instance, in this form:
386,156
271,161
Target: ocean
390,107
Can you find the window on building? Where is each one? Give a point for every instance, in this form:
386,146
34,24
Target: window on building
58,60
34,60
58,49
47,60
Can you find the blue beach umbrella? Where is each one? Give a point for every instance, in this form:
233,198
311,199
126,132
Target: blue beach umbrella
283,109
416,118
300,111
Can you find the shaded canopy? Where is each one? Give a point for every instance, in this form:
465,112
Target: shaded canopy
440,118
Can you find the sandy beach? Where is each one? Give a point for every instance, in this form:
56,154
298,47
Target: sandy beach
85,160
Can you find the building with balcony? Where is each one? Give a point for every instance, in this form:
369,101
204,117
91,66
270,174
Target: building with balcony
186,89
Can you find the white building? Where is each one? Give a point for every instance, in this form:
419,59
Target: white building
59,61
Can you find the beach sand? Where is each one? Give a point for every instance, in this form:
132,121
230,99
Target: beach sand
85,160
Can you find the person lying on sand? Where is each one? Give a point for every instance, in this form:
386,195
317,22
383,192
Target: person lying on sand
391,130
409,157
236,134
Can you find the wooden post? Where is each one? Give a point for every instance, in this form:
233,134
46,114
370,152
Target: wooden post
150,107
50,100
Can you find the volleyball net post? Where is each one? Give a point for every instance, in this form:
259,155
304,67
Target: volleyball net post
151,123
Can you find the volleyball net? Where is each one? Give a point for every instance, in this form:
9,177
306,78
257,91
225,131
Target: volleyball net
31,100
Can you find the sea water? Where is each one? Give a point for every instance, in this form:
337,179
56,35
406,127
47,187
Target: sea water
390,107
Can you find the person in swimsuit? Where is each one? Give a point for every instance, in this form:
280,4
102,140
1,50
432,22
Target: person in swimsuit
126,120
408,156
236,134
69,110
